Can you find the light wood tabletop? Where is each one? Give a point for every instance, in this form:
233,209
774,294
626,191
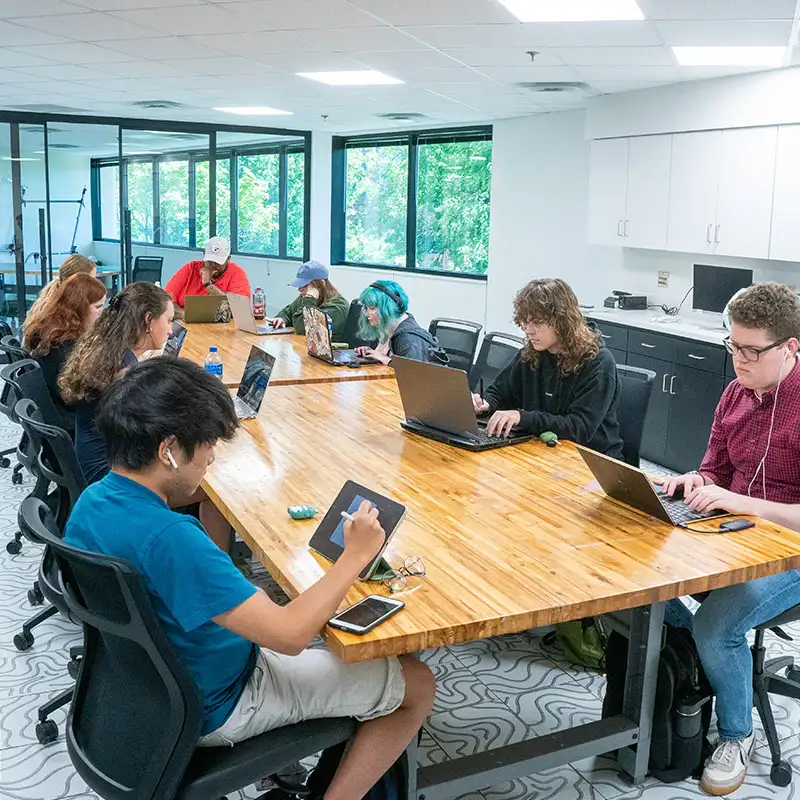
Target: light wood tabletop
512,538
293,365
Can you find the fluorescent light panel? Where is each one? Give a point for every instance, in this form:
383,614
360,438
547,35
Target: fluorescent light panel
730,56
255,111
361,77
574,10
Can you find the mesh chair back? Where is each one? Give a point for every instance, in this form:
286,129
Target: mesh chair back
12,349
459,338
147,268
497,351
636,386
28,379
351,326
136,713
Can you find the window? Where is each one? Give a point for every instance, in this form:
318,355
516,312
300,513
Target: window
108,180
416,201
140,200
258,212
223,199
295,203
173,202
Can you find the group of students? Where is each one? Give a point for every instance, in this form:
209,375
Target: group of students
154,425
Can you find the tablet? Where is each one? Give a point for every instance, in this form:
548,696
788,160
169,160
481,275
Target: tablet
328,539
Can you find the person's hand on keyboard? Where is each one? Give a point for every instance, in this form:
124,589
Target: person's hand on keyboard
680,486
710,498
501,423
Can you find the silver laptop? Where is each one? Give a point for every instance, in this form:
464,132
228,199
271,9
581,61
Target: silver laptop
245,321
255,378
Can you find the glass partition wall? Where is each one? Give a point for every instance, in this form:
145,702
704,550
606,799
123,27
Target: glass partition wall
116,189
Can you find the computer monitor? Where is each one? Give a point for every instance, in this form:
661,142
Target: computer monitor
714,286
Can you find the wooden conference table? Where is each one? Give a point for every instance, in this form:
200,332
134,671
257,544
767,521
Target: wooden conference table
512,538
293,365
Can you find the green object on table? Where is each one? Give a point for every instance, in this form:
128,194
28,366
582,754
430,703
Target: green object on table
383,571
547,437
302,512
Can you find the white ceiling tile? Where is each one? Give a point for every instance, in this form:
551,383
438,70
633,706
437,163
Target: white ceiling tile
74,53
227,65
290,15
192,20
718,9
19,58
612,87
91,27
143,69
720,34
66,72
610,73
453,74
133,5
13,35
39,8
531,74
252,45
401,59
615,56
470,36
502,57
438,12
194,82
702,73
160,47
356,39
310,62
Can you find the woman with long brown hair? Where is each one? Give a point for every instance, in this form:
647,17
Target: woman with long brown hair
136,320
51,329
563,379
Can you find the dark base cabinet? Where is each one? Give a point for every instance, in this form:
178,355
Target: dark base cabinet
690,379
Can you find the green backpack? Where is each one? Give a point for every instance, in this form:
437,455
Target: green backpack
584,642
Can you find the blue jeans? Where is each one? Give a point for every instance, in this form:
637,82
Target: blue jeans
720,628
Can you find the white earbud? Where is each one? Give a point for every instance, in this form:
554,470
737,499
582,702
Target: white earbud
171,459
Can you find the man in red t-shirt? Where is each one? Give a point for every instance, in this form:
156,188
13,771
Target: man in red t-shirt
215,274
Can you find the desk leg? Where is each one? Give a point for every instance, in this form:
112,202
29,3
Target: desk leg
411,765
640,687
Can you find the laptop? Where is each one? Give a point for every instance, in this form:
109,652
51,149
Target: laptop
245,321
318,342
202,307
256,375
632,487
438,404
175,341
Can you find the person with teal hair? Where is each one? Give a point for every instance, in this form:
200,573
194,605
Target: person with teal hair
387,320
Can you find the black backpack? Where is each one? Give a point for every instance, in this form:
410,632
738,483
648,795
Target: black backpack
682,712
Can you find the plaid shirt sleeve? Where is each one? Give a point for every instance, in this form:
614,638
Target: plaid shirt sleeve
717,466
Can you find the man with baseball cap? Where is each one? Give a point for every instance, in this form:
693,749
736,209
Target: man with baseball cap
215,274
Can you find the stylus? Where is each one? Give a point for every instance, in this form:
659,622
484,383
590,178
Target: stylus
348,517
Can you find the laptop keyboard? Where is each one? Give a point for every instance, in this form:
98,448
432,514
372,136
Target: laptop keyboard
680,513
243,411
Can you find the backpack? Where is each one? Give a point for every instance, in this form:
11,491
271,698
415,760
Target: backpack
584,642
682,712
436,353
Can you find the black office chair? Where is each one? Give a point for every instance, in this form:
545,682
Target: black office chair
136,713
12,349
635,388
459,338
497,351
147,268
350,334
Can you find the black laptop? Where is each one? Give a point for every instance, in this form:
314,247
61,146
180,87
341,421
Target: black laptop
438,405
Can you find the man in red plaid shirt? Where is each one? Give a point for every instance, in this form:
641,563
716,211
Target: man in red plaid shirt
751,466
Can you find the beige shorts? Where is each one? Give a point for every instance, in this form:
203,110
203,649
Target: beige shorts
287,689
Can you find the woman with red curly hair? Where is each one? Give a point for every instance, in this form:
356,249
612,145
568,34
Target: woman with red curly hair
51,329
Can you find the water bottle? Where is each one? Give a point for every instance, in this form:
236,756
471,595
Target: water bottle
259,304
214,362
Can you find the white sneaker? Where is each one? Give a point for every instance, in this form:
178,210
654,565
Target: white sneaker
726,768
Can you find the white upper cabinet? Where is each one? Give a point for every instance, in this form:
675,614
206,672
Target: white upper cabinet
746,182
609,187
785,241
693,191
647,207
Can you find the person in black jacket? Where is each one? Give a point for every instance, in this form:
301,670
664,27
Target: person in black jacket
386,319
563,380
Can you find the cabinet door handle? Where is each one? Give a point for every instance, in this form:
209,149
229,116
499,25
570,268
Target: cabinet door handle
697,358
627,227
716,233
664,383
648,346
619,228
671,381
708,232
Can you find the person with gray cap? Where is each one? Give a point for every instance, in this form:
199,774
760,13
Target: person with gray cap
215,274
316,291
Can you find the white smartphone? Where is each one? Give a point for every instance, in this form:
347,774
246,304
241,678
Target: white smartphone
364,615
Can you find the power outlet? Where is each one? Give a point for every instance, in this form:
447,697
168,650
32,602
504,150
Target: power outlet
663,279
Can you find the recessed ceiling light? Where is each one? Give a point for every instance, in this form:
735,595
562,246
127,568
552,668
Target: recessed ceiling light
730,56
255,111
574,10
359,77
11,158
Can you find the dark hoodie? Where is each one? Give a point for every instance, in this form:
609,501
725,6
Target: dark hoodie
409,340
580,407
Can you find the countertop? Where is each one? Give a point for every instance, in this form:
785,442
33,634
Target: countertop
700,326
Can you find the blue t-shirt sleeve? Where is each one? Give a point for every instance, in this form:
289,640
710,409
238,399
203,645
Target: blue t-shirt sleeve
194,579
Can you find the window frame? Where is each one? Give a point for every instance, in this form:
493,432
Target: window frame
413,140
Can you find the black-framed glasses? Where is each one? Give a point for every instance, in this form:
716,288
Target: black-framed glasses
413,566
749,353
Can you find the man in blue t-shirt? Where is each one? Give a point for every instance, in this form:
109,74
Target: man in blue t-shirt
160,422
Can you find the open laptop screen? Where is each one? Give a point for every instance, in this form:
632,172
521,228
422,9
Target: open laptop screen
257,372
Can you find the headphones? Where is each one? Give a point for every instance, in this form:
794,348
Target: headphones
171,458
390,294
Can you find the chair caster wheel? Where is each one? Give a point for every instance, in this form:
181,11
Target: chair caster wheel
14,547
16,478
73,667
35,596
47,731
5,463
24,640
781,773
793,674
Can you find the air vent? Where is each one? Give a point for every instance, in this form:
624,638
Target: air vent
562,87
64,146
47,108
403,116
157,104
38,129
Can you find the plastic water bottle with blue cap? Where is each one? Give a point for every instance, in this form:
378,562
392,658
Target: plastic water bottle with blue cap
214,362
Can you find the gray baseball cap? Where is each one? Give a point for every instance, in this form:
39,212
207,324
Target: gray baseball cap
310,271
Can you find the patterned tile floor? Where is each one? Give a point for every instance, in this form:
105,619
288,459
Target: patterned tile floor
490,693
